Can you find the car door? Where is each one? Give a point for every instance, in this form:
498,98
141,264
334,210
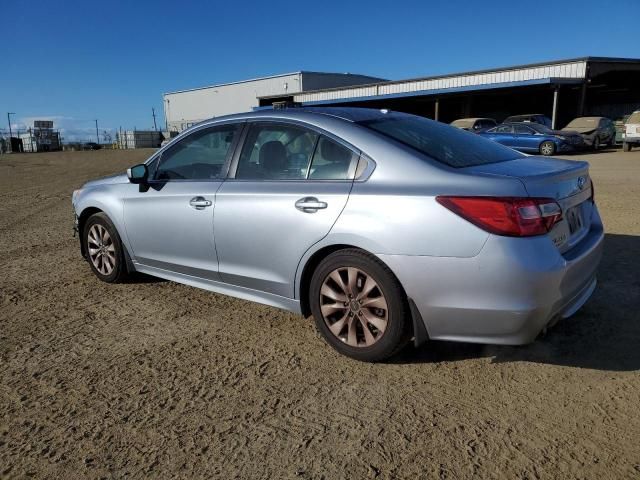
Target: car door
525,138
287,187
502,134
169,222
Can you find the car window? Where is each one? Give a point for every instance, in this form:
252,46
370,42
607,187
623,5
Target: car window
199,156
332,161
503,129
443,143
276,152
523,130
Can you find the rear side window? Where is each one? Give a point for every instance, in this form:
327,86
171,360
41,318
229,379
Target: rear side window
276,152
332,161
443,143
523,129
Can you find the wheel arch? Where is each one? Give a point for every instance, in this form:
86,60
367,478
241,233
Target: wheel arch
417,326
82,221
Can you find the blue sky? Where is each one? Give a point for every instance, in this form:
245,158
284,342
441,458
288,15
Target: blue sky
74,62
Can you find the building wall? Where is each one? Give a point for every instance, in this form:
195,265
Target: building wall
182,109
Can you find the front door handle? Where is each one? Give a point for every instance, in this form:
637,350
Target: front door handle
310,204
199,203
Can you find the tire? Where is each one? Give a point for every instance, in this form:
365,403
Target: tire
626,147
612,141
104,250
368,281
547,148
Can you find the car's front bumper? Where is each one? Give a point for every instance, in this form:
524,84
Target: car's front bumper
507,294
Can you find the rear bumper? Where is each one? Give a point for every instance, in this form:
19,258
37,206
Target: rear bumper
507,294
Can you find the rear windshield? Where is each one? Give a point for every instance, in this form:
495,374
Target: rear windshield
449,145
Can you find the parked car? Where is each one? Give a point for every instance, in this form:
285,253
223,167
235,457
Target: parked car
474,124
595,131
91,146
530,118
631,136
384,226
534,137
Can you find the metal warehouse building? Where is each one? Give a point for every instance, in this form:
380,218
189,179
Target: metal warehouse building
561,89
184,108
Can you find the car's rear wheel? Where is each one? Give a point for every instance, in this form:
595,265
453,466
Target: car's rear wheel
626,147
359,306
104,249
547,148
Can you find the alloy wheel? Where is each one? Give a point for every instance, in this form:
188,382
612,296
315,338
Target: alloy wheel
353,307
547,148
101,249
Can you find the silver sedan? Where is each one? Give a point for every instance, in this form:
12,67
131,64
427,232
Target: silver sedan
386,227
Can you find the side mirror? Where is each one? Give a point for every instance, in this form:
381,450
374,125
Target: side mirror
138,173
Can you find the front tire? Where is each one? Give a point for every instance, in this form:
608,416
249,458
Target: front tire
547,148
359,306
626,147
103,249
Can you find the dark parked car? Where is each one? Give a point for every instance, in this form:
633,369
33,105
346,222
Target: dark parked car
530,118
595,131
474,124
533,137
91,146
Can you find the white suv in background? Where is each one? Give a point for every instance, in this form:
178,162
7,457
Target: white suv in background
631,135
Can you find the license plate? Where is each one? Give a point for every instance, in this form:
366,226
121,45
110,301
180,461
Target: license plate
574,219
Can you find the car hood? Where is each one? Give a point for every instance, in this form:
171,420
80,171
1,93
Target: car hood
579,130
111,179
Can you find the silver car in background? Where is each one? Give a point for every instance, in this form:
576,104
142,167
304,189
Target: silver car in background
384,226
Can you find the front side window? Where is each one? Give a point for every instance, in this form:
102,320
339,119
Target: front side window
276,152
200,156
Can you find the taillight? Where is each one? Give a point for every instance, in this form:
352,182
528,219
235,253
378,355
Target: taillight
510,216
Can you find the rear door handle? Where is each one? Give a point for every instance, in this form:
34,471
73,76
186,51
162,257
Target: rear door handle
199,203
310,204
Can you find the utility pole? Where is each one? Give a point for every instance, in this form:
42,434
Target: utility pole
153,112
10,149
97,135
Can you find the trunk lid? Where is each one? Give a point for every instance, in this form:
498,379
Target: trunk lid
565,181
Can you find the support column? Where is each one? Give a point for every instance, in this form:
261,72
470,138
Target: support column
554,114
583,99
437,109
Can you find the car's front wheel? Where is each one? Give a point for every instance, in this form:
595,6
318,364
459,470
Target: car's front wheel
626,147
359,306
547,148
104,249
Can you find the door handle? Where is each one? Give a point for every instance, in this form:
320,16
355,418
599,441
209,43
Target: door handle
199,203
310,204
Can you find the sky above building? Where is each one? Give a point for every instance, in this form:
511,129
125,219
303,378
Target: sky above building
77,61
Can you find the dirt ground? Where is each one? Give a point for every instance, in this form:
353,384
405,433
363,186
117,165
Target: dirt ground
155,379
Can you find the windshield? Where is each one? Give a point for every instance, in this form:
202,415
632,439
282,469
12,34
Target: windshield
583,122
463,123
634,118
451,146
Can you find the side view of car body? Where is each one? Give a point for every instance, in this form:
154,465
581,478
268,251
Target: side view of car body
383,226
529,118
595,131
631,135
534,137
474,124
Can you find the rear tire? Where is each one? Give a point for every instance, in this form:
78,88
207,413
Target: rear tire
626,147
104,250
342,286
547,148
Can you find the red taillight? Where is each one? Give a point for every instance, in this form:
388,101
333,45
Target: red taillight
510,216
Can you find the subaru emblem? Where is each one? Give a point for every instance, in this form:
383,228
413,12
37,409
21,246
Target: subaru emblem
582,181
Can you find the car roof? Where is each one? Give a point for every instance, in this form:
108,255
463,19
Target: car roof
351,114
527,115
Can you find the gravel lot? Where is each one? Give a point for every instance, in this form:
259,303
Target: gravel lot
155,379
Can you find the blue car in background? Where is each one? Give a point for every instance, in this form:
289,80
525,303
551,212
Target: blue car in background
534,137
